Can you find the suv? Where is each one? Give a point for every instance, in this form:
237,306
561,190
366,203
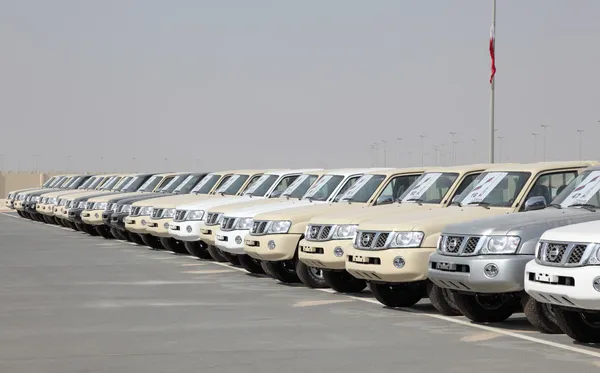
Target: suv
564,276
479,265
38,196
10,199
275,236
22,198
392,252
329,236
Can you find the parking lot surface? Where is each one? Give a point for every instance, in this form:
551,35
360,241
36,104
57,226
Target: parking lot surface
74,303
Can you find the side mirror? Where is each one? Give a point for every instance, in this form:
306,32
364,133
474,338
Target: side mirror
535,203
276,194
454,199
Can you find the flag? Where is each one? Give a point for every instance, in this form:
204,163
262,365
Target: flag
492,52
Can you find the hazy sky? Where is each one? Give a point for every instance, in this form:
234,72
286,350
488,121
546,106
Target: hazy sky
233,84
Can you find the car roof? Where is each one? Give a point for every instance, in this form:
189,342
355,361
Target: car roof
465,167
393,171
347,171
291,170
540,166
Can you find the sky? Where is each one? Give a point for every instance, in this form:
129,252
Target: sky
193,85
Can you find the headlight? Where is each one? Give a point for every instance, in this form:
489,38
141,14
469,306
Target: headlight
280,226
345,232
52,201
146,211
168,213
594,258
100,205
407,239
244,223
195,215
81,205
36,198
126,208
501,245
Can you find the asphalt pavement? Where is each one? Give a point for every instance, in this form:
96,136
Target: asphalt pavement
70,302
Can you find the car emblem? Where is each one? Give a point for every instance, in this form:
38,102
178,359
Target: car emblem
452,245
366,240
553,253
314,231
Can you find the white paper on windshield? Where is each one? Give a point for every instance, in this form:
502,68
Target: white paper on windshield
420,189
293,186
228,183
355,188
203,182
316,186
586,190
149,181
173,181
130,182
187,180
484,187
257,183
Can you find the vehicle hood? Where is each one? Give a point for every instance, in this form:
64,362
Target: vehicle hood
39,191
69,193
132,199
89,194
212,202
358,216
106,198
174,200
584,233
24,190
255,209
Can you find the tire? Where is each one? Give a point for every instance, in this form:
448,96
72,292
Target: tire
284,271
583,327
104,232
89,229
173,245
310,276
197,249
232,258
151,241
344,282
443,300
250,264
136,238
46,219
541,316
79,227
216,255
20,213
398,295
485,308
116,233
266,269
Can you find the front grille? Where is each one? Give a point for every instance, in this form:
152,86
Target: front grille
110,207
371,240
563,254
459,245
157,213
180,215
259,227
319,232
213,218
118,208
89,206
135,210
228,223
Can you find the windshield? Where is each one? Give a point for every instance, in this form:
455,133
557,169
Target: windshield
323,188
206,184
584,189
262,185
499,189
187,184
174,183
97,181
300,186
124,185
49,182
363,189
150,184
86,184
115,183
66,184
431,187
233,185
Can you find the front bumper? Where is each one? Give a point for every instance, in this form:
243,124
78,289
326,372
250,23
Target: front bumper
134,224
272,247
117,220
186,230
159,227
231,241
18,205
61,212
74,215
570,287
92,217
9,203
467,273
321,254
378,265
30,207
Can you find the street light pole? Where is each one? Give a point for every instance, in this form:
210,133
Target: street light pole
422,149
384,153
545,127
500,148
399,150
580,145
436,149
535,135
453,149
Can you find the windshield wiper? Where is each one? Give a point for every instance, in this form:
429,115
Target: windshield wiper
456,203
482,204
556,205
416,200
587,206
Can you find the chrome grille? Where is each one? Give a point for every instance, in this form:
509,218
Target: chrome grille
135,210
179,215
213,218
369,240
118,208
471,245
563,254
89,206
576,254
460,245
228,223
157,213
554,252
319,232
453,244
259,227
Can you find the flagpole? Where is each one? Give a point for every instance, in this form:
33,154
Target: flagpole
492,84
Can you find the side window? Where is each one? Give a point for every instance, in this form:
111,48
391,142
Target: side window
465,183
395,188
221,182
283,185
550,185
251,182
164,182
345,187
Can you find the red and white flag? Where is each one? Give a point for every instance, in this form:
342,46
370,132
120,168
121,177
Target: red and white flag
493,52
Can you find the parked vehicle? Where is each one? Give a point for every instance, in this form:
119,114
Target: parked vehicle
10,198
328,236
191,219
482,261
35,197
308,189
564,275
22,198
275,236
392,252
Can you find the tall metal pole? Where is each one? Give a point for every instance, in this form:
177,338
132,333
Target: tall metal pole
580,145
453,158
399,150
474,149
436,150
422,150
372,155
545,126
535,135
492,88
500,148
384,153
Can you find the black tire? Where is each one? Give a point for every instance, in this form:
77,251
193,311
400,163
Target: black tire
116,233
151,241
173,245
310,276
485,308
46,220
104,232
443,300
583,327
79,227
136,238
231,258
398,295
266,269
344,282
250,264
541,315
216,255
90,229
284,271
197,249
20,213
